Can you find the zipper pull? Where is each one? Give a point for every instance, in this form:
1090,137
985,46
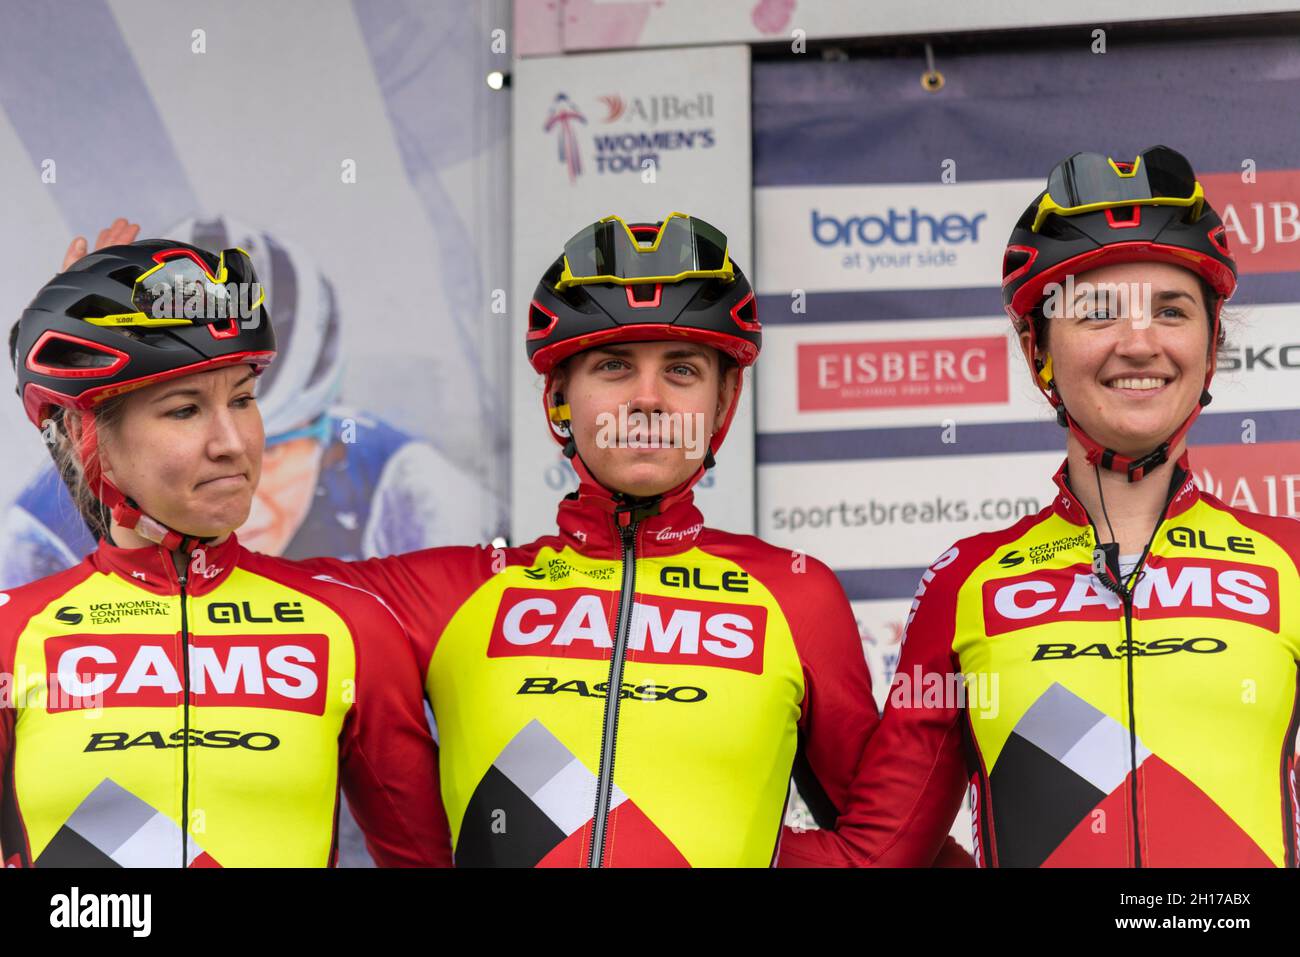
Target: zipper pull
182,569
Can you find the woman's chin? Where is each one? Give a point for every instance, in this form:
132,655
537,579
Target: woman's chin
646,478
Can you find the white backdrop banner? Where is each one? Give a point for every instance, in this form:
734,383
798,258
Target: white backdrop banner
640,135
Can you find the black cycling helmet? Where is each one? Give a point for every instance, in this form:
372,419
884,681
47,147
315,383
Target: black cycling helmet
128,316
1097,211
639,282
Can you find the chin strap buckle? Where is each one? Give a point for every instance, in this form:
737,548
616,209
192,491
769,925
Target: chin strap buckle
1153,459
631,510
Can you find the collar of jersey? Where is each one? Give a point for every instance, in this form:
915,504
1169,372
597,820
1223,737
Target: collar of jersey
151,567
1183,494
589,522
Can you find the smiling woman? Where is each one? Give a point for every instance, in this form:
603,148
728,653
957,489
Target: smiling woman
1144,659
153,422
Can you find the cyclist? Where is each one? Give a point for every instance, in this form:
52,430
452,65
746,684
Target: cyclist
635,688
1143,636
335,480
231,692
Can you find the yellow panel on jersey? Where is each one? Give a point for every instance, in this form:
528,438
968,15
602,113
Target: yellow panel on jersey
536,640
206,722
1155,729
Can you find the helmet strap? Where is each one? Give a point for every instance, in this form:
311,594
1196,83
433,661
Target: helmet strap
123,508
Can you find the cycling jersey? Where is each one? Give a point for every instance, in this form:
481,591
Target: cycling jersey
1157,729
207,719
633,690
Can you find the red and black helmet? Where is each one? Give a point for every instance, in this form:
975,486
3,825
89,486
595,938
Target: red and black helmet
127,316
617,282
1097,211
640,282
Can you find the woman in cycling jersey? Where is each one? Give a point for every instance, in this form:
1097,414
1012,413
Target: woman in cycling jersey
200,703
1136,642
635,688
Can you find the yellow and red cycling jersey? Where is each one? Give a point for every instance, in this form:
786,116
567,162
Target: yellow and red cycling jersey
632,691
1157,730
207,719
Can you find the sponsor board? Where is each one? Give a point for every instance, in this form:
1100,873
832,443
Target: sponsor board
902,372
899,513
1261,218
898,236
1262,478
883,374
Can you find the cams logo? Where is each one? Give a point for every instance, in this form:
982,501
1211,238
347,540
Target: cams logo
627,691
283,672
123,740
1130,649
1171,588
575,623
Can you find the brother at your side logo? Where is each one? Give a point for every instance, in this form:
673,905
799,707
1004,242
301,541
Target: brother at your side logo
897,239
75,909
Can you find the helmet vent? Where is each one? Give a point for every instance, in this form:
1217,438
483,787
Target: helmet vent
97,306
59,353
537,320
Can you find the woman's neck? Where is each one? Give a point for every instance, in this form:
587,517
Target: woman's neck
1134,509
130,538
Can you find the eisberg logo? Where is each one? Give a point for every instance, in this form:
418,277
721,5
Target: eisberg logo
901,228
911,372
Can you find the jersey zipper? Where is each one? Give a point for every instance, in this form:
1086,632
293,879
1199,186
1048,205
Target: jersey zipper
1127,598
609,731
1125,593
182,578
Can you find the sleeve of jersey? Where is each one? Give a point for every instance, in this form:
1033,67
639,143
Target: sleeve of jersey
838,714
389,761
423,589
909,783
